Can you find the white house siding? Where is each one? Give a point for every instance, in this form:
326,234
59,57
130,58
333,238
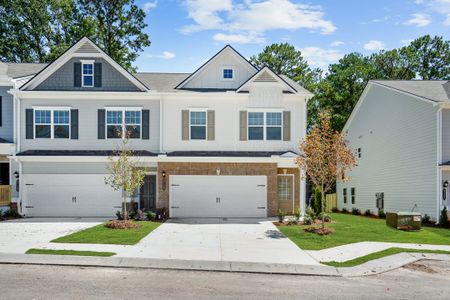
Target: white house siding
87,115
227,110
397,134
445,135
6,127
211,76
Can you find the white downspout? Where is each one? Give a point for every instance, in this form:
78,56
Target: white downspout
161,129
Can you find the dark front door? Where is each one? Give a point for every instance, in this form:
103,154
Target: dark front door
147,195
4,173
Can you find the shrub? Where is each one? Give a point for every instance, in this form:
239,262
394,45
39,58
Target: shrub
116,224
426,220
443,218
317,201
280,215
297,213
368,213
119,215
132,214
335,209
381,214
327,217
150,215
310,212
1,213
292,222
344,210
356,211
140,216
11,213
307,220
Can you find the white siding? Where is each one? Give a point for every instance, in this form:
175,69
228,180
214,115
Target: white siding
398,138
445,135
210,77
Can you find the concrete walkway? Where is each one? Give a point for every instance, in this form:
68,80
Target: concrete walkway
355,250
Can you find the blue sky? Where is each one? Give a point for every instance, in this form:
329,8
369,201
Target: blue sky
185,33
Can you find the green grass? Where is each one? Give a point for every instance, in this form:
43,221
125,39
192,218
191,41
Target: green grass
101,235
69,252
353,229
376,255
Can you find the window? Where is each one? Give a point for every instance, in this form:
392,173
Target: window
52,123
285,188
227,73
265,126
123,123
87,75
197,125
353,195
359,152
344,194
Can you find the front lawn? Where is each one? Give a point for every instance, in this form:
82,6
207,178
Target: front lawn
102,235
380,254
69,252
353,229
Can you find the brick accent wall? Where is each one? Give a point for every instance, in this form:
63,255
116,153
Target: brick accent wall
172,168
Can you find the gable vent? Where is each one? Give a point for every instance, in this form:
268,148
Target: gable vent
87,48
265,77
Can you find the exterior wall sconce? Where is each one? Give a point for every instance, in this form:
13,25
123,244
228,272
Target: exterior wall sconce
218,172
16,176
444,190
164,179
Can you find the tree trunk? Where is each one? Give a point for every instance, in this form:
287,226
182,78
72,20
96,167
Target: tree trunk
124,206
323,208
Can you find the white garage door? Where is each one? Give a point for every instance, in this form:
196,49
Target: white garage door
69,195
218,196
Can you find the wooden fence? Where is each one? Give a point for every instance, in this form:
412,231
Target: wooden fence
5,195
331,202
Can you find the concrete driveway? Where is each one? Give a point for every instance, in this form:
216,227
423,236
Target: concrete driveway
17,236
246,240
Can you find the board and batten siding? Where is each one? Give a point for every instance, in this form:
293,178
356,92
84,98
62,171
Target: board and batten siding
87,125
7,123
397,135
445,135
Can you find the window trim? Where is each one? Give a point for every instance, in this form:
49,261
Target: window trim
265,111
122,110
205,110
87,62
293,187
233,70
52,123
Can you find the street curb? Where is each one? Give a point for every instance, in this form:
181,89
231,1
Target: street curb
373,267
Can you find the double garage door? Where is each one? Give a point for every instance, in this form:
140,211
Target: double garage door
69,195
218,196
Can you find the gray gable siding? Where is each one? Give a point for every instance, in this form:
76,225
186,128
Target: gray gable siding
6,130
62,79
398,138
87,126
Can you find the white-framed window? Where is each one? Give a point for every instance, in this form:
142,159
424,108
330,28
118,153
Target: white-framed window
285,187
228,73
123,122
52,123
87,73
197,124
265,126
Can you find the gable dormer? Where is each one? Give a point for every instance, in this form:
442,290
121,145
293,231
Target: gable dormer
84,67
227,70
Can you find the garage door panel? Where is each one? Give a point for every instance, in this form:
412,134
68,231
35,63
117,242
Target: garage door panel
59,195
218,196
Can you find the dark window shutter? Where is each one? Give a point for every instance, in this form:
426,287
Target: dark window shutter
1,111
185,125
77,74
101,124
74,124
29,123
97,75
145,124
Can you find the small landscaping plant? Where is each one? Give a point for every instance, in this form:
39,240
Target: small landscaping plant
381,214
307,220
310,212
344,210
119,215
150,215
443,218
335,209
426,220
326,217
368,213
122,224
297,214
319,231
280,215
11,214
356,211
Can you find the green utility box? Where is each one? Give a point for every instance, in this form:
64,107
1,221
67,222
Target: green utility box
404,220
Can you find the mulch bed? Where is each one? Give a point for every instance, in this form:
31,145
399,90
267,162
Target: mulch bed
319,230
120,224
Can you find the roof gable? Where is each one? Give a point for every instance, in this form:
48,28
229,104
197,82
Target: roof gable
228,56
83,48
266,75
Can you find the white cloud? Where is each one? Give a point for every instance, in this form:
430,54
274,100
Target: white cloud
319,57
167,55
441,7
337,43
237,38
149,6
374,45
419,20
251,19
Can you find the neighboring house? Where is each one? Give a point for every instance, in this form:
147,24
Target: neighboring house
400,132
219,142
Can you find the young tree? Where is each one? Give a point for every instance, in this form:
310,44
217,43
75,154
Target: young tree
325,156
126,176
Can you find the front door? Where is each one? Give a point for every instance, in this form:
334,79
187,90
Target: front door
147,195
